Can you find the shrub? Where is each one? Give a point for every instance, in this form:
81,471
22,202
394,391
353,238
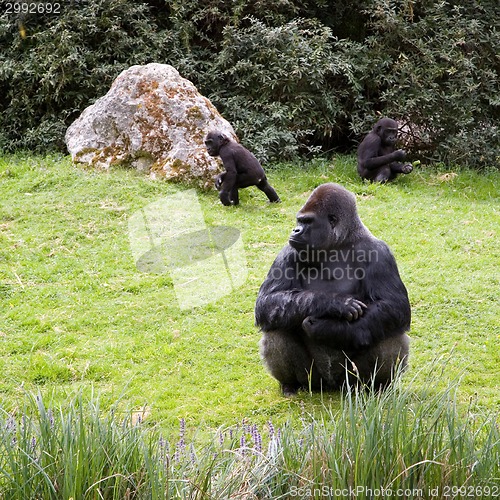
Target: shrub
293,77
434,70
284,88
63,62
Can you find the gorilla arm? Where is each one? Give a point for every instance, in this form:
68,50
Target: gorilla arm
229,177
388,312
283,304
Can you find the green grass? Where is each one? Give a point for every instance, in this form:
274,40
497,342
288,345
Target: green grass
78,317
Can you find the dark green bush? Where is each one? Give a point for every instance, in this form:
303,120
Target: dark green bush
293,77
64,62
435,70
283,88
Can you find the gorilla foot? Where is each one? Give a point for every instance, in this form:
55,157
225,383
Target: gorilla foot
290,389
382,179
274,199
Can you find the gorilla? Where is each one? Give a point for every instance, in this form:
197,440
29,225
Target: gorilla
333,308
377,159
242,169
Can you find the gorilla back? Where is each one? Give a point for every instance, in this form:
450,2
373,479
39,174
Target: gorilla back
242,169
333,304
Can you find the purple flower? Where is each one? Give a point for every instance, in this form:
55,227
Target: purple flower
257,439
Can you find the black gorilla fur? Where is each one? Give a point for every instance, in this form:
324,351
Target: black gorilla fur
333,301
377,159
242,169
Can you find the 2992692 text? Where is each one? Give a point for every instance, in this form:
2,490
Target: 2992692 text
31,7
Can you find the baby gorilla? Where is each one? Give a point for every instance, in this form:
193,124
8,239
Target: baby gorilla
242,169
377,159
333,307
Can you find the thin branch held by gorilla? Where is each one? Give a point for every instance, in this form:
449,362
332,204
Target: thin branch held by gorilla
333,301
378,158
242,169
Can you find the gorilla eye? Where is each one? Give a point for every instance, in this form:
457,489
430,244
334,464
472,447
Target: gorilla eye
305,219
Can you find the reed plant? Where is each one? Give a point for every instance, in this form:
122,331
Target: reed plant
405,442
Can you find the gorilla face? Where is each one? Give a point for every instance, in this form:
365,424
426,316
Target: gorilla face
311,231
213,143
327,219
387,130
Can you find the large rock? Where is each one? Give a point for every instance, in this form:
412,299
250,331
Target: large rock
151,119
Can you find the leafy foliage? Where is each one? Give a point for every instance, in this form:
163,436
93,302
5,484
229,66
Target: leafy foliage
436,71
293,77
282,87
52,72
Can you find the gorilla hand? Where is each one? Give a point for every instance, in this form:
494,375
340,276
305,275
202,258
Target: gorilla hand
224,198
353,309
349,308
399,154
310,325
219,180
406,169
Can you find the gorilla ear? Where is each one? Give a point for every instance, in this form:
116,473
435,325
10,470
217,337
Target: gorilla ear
332,219
224,139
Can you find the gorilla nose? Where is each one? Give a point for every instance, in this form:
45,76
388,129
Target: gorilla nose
298,230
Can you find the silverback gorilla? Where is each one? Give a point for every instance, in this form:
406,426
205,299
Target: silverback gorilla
242,169
377,159
333,304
